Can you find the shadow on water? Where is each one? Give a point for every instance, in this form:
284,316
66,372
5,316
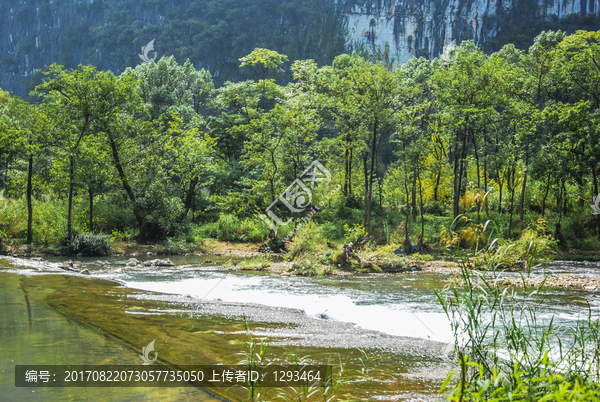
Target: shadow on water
31,333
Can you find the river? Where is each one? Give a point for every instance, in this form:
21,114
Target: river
392,325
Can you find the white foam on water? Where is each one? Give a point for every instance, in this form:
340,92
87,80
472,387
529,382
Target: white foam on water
390,318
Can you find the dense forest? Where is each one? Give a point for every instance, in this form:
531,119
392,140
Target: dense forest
212,34
421,156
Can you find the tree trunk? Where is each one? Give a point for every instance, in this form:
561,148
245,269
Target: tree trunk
437,185
91,198
138,217
414,198
522,206
564,198
500,185
597,194
511,184
456,188
189,199
29,201
407,246
420,244
367,201
70,204
485,181
372,174
545,196
350,173
346,172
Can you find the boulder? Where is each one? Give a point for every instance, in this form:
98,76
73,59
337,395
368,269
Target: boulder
132,262
85,272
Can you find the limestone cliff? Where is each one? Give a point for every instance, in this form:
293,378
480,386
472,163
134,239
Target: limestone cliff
425,27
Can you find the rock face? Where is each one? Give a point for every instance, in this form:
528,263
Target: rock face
414,28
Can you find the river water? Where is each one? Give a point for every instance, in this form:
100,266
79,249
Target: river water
392,325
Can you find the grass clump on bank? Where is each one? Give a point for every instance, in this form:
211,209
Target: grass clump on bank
504,348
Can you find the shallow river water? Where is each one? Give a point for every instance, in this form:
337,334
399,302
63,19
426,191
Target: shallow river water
390,325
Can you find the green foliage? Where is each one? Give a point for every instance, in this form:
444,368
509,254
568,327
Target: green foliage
355,233
303,241
232,228
422,156
332,230
305,268
89,244
214,34
535,241
396,265
49,224
173,246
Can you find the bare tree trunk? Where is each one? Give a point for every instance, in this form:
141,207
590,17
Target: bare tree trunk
564,198
437,185
91,198
500,195
522,206
367,201
350,173
189,199
511,184
70,204
597,194
414,198
420,244
346,172
29,201
485,180
407,246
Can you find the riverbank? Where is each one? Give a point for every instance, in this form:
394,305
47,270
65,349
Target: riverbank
246,257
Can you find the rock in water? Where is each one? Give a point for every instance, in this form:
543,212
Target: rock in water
159,263
85,272
165,263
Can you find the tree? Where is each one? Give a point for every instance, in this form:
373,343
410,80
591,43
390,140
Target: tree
366,90
30,127
84,101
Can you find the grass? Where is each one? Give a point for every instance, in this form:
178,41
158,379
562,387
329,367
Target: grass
504,351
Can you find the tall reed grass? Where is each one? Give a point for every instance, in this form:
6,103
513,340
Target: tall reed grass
504,348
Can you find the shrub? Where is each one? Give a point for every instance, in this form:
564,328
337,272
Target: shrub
535,242
304,240
231,228
174,246
49,223
355,233
396,266
332,230
89,244
305,268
